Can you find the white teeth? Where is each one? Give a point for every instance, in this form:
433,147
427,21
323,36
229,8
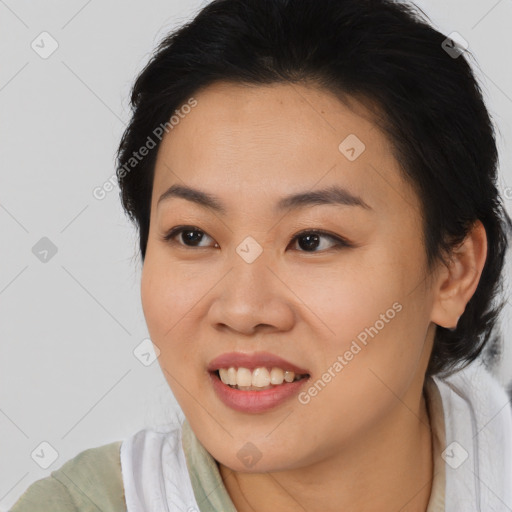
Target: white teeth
258,378
232,376
223,373
244,377
289,376
276,376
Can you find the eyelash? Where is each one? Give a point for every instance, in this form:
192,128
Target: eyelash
340,243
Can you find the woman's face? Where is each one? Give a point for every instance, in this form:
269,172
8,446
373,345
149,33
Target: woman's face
351,307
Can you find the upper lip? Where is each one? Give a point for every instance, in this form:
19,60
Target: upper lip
252,361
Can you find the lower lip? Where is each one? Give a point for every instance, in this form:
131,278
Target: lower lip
255,401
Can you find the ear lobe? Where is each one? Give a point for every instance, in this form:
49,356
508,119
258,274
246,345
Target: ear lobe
459,278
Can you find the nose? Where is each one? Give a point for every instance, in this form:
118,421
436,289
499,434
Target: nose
252,297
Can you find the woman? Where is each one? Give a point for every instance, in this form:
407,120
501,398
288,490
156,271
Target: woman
314,185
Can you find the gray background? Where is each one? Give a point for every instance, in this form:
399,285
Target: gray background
69,325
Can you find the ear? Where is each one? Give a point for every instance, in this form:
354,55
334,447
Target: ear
457,281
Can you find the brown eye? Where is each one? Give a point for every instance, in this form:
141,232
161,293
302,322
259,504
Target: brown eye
310,240
191,236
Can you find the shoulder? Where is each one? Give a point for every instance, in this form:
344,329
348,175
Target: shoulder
92,480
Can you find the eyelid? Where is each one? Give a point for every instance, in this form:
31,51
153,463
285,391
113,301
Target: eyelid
173,232
339,241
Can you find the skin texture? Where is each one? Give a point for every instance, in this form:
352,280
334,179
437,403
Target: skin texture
364,441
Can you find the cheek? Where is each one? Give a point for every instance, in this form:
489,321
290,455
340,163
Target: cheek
171,300
381,347
369,315
154,298
350,297
168,298
168,293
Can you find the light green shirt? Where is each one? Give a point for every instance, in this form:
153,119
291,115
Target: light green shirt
92,481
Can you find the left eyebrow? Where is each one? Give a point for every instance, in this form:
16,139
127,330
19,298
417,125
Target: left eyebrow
331,195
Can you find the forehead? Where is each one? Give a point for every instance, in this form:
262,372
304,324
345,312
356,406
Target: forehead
258,143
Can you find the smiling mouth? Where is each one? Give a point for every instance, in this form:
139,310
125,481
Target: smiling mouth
261,383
